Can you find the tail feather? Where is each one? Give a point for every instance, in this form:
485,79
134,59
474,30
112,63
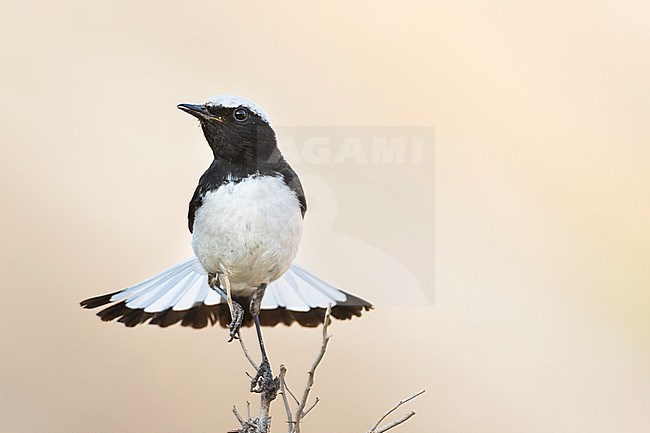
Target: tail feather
98,301
182,294
312,281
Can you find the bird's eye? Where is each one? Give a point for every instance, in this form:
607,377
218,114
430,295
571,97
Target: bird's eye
240,114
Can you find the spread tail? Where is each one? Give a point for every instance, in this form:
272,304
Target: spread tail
181,294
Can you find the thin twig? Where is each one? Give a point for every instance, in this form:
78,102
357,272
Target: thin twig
310,408
286,385
239,418
300,411
395,423
226,281
373,429
248,409
246,353
283,391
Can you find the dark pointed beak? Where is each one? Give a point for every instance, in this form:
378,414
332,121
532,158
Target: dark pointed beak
198,111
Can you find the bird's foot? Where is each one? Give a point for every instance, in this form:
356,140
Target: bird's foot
263,382
236,322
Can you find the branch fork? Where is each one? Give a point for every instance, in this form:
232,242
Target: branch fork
262,423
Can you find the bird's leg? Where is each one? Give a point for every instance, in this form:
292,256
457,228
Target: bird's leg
263,381
255,307
213,282
236,310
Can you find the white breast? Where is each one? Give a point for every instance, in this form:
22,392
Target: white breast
249,230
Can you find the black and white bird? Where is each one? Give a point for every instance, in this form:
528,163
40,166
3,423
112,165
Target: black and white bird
246,218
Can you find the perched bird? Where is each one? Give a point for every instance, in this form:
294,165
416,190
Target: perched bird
246,218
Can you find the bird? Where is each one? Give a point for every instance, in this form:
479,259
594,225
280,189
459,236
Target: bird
246,220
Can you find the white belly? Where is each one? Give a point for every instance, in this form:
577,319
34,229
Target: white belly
248,230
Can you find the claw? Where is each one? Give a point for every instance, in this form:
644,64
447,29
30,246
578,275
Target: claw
237,319
263,382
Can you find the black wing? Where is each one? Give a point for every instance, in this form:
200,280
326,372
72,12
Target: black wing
212,178
293,181
195,203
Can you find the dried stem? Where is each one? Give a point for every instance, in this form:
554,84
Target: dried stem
262,423
264,420
237,415
396,422
310,408
283,391
376,429
293,396
246,353
300,411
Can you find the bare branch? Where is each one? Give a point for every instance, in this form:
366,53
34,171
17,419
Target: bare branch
286,385
239,418
261,424
395,423
300,411
283,391
246,353
310,408
373,429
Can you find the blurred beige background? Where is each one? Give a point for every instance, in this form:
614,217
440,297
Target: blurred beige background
541,315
